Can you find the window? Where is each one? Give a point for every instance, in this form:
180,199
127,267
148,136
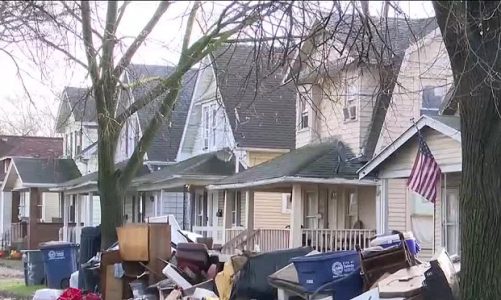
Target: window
351,99
303,112
451,222
6,164
78,142
199,206
286,203
235,209
209,126
67,151
431,99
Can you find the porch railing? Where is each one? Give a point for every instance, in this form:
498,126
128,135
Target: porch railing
259,240
336,239
214,232
15,236
73,234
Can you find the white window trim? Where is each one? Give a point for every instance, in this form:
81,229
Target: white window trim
351,102
286,198
446,223
304,109
209,126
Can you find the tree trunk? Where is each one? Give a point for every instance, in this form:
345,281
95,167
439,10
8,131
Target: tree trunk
110,191
480,195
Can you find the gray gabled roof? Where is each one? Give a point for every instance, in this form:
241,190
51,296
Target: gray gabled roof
320,161
45,171
76,101
214,164
261,110
166,142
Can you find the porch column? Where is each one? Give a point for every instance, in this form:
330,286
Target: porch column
296,234
229,196
249,210
90,210
78,217
381,206
66,216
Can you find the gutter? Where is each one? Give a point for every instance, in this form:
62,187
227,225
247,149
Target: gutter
293,179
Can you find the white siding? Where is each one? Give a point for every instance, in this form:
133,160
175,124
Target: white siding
172,204
51,207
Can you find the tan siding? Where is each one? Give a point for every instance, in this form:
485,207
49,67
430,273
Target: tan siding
255,157
367,206
397,204
268,211
445,150
426,65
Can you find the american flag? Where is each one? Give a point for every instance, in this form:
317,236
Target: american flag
425,173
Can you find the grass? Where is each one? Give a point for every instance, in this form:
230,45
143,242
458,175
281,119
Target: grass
16,288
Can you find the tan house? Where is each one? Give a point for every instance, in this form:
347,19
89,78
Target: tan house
401,209
341,107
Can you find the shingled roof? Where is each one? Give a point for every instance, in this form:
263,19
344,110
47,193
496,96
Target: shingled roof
315,161
30,146
166,142
261,110
39,171
214,164
77,102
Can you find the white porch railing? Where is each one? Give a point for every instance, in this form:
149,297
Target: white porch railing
72,234
214,232
259,240
231,233
336,239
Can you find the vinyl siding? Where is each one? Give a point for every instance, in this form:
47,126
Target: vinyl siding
51,206
367,206
172,204
445,150
427,64
268,211
255,158
397,204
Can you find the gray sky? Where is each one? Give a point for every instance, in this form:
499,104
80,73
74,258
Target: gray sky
161,48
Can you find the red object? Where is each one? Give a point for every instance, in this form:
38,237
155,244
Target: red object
71,294
92,296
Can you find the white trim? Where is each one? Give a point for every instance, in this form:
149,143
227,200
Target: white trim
268,150
286,197
183,136
291,180
403,138
8,173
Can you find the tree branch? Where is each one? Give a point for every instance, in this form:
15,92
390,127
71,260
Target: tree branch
129,53
189,26
108,81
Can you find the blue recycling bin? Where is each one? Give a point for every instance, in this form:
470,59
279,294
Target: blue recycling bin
60,261
313,271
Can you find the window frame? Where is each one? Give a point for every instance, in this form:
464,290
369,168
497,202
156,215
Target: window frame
236,220
286,200
351,100
446,223
304,111
209,126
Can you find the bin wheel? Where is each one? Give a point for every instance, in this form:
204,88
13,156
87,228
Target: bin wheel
65,283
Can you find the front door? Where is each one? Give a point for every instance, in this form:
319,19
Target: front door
310,205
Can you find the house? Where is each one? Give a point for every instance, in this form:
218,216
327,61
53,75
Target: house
424,96
77,121
434,226
35,209
21,146
239,117
341,104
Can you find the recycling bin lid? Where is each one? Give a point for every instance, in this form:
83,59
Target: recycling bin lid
56,244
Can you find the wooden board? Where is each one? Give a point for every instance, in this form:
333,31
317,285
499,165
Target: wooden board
114,286
159,249
133,242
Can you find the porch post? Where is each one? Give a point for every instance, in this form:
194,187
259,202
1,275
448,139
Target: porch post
381,203
90,209
78,217
227,222
249,209
296,235
66,216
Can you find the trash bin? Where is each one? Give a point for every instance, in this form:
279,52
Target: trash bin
316,270
387,241
90,244
34,272
60,261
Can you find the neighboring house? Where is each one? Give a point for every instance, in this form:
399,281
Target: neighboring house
424,87
403,210
341,104
77,120
240,107
423,95
22,146
36,211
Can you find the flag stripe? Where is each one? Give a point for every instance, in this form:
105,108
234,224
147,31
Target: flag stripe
425,173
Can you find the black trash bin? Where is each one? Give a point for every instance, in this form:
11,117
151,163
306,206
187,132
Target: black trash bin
34,271
90,244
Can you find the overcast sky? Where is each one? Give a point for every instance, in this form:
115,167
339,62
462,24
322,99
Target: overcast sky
160,49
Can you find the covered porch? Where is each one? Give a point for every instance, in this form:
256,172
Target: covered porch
36,211
180,190
328,207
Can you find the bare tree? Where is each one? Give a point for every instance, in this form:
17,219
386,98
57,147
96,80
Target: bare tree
471,33
20,117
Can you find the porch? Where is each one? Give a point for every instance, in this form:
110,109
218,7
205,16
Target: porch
326,217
